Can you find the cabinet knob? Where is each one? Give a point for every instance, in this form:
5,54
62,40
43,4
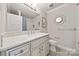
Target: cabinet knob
74,29
78,42
39,50
21,51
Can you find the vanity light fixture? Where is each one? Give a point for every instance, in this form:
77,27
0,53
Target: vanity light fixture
31,5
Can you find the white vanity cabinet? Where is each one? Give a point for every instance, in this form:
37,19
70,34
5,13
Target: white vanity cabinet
23,50
40,47
34,46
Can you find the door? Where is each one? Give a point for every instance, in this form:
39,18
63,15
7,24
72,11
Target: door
63,32
77,28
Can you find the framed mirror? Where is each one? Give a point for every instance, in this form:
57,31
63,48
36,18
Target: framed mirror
44,22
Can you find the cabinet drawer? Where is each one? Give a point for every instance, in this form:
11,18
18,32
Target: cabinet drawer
20,50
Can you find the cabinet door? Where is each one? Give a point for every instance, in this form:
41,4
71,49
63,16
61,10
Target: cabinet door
35,52
36,47
46,47
42,49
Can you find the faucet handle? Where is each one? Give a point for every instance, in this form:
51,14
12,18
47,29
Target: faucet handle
75,29
78,42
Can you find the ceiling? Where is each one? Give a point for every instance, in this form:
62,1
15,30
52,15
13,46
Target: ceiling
27,12
45,6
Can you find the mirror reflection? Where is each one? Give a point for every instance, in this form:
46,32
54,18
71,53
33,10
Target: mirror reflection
21,17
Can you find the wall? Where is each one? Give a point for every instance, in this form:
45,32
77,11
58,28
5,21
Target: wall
3,9
62,33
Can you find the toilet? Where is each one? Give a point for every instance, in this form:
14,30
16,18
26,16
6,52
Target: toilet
52,51
57,50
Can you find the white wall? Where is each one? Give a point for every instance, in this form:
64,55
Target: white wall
3,9
65,36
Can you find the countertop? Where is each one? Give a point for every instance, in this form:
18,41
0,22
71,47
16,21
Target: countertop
10,42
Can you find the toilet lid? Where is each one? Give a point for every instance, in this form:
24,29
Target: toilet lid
52,42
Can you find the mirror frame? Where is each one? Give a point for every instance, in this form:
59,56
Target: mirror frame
44,22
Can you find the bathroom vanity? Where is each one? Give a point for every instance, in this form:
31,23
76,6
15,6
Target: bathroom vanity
25,45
